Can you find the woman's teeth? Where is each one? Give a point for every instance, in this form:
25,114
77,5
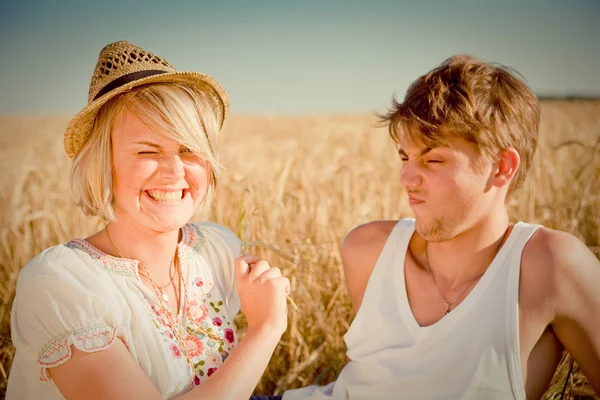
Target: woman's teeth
161,195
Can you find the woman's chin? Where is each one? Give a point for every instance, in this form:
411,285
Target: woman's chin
172,222
165,221
168,215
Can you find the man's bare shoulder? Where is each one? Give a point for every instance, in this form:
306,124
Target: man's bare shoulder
360,251
557,262
368,237
555,251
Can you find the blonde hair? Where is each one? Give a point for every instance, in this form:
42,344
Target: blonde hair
467,98
184,113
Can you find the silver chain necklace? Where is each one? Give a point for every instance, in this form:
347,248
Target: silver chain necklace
447,303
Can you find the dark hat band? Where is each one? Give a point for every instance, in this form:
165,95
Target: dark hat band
133,76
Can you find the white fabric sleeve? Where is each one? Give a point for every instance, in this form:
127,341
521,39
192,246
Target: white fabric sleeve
220,247
62,301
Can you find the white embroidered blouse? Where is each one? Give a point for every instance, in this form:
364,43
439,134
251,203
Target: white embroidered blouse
74,294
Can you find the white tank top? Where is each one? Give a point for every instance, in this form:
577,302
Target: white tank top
471,353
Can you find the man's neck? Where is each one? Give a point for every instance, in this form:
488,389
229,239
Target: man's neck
468,254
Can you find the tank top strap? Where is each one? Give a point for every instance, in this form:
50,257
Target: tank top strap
522,232
395,245
392,256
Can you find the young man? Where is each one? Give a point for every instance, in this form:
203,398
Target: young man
460,303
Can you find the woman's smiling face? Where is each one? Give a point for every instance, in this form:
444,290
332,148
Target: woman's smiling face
158,184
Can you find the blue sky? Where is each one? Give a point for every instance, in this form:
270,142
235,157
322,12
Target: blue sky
301,57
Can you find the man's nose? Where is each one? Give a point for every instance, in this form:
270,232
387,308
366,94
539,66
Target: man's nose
410,177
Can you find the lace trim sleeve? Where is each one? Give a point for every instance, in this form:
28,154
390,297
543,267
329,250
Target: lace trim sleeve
89,338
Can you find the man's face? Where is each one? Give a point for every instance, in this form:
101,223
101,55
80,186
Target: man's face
448,187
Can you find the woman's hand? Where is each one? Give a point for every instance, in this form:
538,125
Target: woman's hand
262,290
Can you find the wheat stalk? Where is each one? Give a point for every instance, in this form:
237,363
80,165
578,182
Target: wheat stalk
246,245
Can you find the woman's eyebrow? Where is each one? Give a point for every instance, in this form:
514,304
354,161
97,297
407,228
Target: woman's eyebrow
143,142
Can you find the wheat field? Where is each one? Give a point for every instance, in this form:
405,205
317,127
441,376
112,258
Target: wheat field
310,180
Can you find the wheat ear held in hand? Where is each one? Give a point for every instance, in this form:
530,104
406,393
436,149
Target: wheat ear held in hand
246,245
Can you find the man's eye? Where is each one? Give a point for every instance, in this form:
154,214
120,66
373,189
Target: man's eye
434,161
404,158
147,152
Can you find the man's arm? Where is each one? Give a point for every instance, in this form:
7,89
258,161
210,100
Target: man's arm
575,280
360,250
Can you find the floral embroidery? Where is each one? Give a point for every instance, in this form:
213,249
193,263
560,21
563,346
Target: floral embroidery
193,346
162,315
175,351
199,281
217,306
192,238
207,338
229,335
119,266
198,312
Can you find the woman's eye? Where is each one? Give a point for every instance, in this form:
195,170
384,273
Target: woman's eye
434,161
146,152
186,150
404,158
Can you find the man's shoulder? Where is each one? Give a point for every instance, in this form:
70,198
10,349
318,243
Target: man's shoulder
368,237
363,244
555,263
553,250
360,250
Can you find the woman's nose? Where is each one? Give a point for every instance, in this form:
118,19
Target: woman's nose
174,168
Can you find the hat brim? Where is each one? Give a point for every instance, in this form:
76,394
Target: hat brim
78,130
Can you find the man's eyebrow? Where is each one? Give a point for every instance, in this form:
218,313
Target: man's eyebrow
148,144
423,152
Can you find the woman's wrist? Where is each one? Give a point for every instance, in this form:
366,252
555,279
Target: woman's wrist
264,332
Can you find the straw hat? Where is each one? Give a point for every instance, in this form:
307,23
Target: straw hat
122,66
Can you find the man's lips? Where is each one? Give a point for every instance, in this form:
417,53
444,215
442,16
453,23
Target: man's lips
414,200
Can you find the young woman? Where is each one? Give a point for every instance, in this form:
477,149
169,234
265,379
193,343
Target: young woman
144,308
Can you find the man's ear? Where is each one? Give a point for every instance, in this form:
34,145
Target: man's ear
506,167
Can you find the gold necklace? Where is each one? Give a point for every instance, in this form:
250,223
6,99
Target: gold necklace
447,303
146,274
161,289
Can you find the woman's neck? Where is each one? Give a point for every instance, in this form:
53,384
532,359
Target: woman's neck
154,249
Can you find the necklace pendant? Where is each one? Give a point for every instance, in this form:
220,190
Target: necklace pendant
165,296
448,305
